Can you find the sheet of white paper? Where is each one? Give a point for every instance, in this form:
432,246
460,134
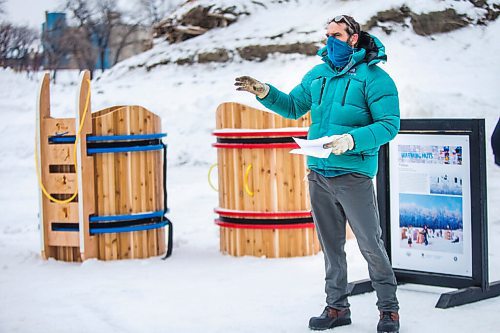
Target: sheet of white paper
313,147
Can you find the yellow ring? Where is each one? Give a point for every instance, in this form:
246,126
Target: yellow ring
245,183
209,179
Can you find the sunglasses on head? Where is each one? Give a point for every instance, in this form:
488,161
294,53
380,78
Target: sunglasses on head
346,20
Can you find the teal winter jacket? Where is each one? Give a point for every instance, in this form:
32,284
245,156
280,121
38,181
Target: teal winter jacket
361,99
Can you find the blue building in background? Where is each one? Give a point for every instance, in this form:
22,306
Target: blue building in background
53,30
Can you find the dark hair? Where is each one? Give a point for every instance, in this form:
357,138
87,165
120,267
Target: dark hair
351,25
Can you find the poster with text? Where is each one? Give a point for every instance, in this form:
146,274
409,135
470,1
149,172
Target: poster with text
430,203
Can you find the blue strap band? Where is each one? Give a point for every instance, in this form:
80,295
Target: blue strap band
123,149
109,218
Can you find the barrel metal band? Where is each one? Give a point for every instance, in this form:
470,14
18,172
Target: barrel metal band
266,221
258,140
116,226
270,132
257,214
263,226
63,139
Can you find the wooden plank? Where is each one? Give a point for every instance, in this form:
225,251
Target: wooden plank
221,183
142,167
62,212
123,190
282,186
106,175
296,182
244,162
259,196
99,184
60,126
228,241
236,115
232,241
317,244
59,255
136,182
62,154
257,181
162,234
42,130
232,181
161,165
63,238
224,178
86,190
113,183
222,240
298,249
150,185
62,183
125,185
265,176
239,174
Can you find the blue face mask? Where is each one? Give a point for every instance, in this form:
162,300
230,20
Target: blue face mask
339,52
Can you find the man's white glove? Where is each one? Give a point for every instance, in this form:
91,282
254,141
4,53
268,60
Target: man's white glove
340,144
247,83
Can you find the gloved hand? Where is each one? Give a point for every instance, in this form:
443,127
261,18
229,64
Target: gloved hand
247,83
340,144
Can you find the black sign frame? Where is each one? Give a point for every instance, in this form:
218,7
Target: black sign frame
473,288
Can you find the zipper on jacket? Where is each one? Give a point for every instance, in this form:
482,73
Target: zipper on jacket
345,92
362,156
322,88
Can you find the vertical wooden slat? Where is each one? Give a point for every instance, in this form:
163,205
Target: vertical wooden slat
43,112
86,189
123,184
106,208
160,197
150,187
136,187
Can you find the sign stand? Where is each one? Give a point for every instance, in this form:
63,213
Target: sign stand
471,279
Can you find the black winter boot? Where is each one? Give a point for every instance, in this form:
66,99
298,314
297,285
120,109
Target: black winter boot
330,318
388,323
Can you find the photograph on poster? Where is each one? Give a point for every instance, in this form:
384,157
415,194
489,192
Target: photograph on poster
430,203
445,183
431,222
430,154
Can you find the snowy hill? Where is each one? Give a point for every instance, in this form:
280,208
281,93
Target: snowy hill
448,75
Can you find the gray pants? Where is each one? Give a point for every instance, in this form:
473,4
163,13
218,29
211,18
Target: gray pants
351,197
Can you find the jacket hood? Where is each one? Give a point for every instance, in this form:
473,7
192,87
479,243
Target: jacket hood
370,50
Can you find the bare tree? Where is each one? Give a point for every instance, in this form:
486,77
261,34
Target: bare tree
154,10
124,40
81,49
23,40
5,41
96,20
15,45
55,48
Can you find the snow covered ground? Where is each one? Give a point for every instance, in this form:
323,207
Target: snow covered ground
452,75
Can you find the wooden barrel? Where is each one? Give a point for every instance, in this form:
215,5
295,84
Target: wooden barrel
264,205
101,179
128,184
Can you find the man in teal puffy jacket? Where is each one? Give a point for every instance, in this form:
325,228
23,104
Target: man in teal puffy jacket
356,103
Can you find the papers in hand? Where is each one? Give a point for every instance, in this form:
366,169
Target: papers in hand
313,147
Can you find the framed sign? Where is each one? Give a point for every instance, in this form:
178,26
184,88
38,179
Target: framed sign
431,192
438,167
431,227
